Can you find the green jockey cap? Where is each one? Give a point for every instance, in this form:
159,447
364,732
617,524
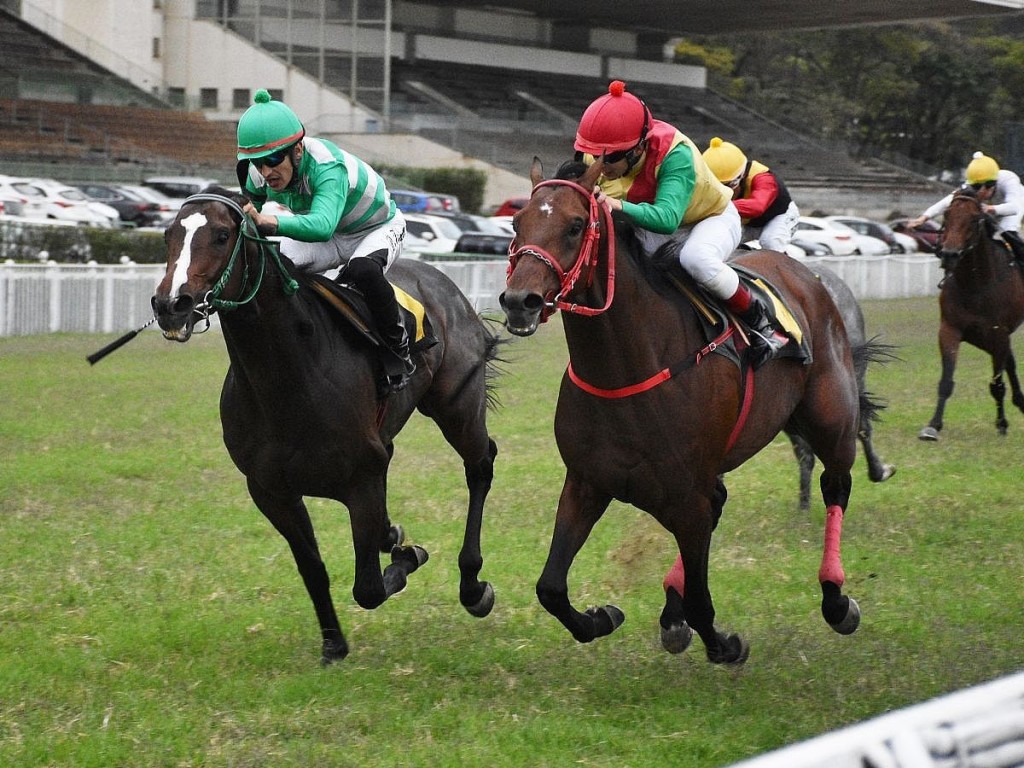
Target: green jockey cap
266,127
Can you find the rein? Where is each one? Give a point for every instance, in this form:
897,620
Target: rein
587,259
246,232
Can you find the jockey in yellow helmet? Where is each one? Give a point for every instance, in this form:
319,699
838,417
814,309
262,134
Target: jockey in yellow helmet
764,204
1001,194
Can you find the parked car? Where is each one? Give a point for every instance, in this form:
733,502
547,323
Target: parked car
483,242
897,242
469,222
840,238
52,199
133,210
440,233
511,207
167,207
409,201
180,187
926,235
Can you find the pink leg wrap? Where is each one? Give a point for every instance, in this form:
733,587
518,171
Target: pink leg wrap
831,566
675,577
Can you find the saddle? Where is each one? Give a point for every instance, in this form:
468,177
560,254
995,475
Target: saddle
715,319
351,306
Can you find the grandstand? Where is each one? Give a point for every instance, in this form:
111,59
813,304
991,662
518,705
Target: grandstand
57,107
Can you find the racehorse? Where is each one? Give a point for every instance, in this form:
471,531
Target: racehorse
865,351
648,415
300,406
981,302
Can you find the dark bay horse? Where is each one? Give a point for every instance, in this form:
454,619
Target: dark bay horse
299,407
865,351
981,302
646,414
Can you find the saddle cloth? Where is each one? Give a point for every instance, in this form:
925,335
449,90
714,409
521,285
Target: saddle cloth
350,304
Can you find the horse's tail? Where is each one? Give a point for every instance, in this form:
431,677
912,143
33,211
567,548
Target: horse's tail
492,359
871,351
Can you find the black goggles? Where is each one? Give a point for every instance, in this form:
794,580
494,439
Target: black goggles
274,159
982,185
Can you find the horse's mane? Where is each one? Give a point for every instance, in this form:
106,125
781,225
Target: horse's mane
652,267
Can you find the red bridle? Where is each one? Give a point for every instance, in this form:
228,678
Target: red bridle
586,259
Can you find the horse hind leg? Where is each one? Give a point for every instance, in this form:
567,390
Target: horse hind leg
476,596
997,389
1017,396
805,460
841,612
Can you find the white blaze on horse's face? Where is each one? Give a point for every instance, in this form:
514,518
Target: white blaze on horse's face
191,224
547,209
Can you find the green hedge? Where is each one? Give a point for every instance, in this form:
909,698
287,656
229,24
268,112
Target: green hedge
77,245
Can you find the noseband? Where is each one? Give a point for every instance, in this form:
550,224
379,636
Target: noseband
586,259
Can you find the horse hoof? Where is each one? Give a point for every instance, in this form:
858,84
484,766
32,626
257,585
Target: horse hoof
928,433
888,470
413,556
607,619
333,650
734,651
485,604
396,536
677,638
850,621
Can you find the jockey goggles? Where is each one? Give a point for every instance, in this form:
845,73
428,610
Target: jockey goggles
274,159
982,185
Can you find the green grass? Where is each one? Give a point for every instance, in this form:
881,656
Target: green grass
149,615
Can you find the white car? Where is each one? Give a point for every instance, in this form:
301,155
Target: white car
840,238
897,242
52,199
441,234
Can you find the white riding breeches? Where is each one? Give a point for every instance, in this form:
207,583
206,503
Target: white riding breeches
329,254
706,246
778,232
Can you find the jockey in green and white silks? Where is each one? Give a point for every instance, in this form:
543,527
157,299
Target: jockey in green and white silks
338,210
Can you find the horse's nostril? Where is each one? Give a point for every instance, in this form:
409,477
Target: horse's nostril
533,302
182,304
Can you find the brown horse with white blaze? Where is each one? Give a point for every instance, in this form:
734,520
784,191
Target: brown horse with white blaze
647,415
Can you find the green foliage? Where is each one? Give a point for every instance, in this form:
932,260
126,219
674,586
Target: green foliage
932,92
715,58
76,245
150,616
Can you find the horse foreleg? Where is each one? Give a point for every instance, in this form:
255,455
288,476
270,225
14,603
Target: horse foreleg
949,345
476,596
841,612
579,508
878,470
291,519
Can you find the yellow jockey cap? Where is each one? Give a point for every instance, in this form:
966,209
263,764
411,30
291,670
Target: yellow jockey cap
724,159
981,169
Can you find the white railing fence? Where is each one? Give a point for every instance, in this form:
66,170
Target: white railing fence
91,298
980,727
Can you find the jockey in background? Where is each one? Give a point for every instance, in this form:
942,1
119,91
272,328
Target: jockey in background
656,176
1001,194
766,209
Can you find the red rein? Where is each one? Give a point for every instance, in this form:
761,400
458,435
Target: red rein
586,259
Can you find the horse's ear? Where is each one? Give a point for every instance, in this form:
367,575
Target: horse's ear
536,171
592,174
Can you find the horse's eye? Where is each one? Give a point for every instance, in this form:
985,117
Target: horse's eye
577,227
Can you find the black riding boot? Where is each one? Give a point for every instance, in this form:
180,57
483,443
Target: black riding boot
368,275
1016,245
765,339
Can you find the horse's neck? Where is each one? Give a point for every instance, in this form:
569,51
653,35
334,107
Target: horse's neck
987,263
632,337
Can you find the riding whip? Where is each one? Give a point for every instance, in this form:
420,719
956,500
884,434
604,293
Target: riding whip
95,357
